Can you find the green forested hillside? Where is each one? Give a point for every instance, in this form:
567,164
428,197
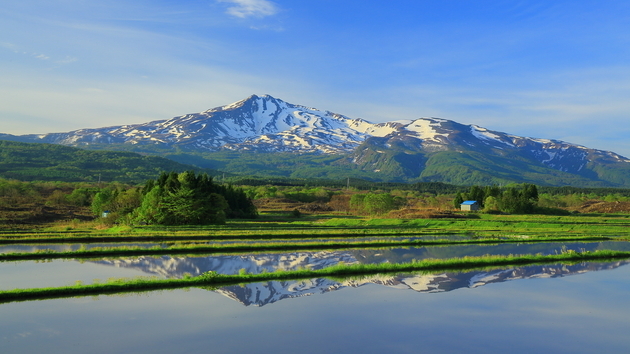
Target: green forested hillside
47,162
397,165
289,165
469,168
371,162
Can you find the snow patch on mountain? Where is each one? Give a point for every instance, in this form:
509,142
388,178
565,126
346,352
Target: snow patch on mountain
426,129
486,135
551,154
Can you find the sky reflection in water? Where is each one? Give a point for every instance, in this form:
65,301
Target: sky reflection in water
584,313
63,272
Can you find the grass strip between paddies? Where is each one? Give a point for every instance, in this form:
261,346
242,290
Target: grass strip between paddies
261,247
215,279
8,239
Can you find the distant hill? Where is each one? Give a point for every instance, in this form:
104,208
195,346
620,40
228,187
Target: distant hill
49,162
263,135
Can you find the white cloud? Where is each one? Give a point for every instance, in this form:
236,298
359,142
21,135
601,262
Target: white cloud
251,8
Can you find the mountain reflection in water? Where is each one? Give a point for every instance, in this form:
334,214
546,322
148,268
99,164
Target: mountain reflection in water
260,294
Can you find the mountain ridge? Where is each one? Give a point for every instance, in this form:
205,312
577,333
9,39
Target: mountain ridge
423,149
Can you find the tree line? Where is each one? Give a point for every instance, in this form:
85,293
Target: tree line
189,198
513,199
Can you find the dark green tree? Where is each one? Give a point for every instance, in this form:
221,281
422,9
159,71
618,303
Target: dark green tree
187,198
520,199
102,201
459,199
476,193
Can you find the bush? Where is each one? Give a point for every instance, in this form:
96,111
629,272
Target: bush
374,203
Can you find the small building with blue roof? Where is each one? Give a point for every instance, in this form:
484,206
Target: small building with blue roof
469,205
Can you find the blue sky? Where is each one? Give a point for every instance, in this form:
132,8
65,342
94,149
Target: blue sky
544,69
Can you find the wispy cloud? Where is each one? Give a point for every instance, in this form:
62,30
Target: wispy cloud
9,46
67,60
251,8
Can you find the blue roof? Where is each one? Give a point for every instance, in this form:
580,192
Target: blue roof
469,202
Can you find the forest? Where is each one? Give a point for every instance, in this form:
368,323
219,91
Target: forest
49,162
176,198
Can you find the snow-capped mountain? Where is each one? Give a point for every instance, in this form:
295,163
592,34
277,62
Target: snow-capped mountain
442,150
260,294
400,150
260,123
265,123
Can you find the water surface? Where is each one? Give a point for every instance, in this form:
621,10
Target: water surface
63,272
582,313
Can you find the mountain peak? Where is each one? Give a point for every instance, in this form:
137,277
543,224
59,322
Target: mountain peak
263,123
242,103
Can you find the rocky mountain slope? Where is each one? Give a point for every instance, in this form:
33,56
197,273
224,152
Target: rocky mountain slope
424,149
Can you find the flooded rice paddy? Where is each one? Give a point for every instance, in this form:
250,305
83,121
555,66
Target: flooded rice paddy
585,313
555,308
34,247
60,272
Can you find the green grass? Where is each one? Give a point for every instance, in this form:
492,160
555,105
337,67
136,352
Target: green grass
214,279
330,227
272,247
